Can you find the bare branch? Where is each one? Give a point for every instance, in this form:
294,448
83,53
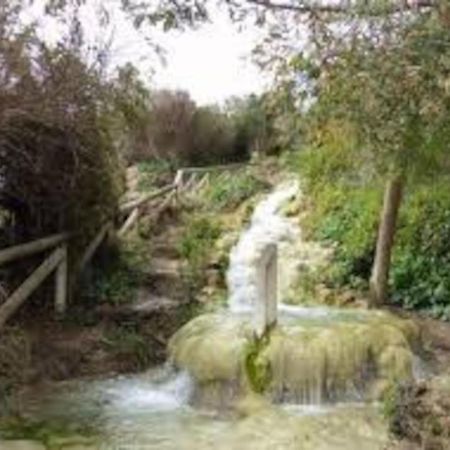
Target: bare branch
340,8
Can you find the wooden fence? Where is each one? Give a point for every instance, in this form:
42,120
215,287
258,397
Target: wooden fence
187,179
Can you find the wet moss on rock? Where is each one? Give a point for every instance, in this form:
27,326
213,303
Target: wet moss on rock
320,362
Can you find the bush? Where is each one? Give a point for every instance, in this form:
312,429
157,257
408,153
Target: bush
118,273
227,191
154,173
420,274
57,133
347,215
195,246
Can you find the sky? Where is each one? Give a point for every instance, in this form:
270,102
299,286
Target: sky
212,63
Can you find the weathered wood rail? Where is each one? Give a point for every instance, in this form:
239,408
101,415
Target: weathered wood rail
187,179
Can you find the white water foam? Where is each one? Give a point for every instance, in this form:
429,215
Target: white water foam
268,226
138,393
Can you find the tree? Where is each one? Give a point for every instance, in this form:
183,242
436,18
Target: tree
392,86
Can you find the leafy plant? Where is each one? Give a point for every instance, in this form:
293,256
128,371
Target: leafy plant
152,173
196,245
226,192
118,275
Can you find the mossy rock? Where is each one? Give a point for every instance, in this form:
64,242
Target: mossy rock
317,363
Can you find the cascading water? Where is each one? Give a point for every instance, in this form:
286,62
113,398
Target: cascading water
267,226
315,354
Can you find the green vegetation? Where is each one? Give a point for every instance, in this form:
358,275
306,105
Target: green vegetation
55,435
119,272
257,368
222,205
199,238
347,216
153,173
228,191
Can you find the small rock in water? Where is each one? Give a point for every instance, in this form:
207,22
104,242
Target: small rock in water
21,445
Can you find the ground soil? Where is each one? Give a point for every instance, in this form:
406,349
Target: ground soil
421,415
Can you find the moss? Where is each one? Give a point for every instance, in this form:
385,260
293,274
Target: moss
316,363
210,347
54,435
257,368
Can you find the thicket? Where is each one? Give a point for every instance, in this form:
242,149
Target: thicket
175,129
59,167
345,213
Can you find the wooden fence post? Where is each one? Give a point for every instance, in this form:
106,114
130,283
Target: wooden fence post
61,284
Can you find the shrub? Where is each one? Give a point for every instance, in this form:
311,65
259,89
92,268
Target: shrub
153,173
227,191
347,215
56,132
421,268
196,244
119,273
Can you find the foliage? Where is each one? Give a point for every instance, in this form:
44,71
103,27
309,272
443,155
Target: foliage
153,173
119,272
196,244
390,399
257,367
132,101
253,125
183,133
58,128
53,434
213,138
389,83
228,191
347,215
420,274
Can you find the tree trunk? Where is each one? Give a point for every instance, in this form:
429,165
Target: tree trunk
385,242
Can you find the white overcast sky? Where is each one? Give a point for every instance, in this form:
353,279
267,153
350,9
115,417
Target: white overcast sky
212,63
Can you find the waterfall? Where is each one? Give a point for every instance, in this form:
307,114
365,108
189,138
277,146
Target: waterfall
268,226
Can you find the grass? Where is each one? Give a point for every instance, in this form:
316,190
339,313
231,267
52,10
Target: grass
201,232
227,191
153,173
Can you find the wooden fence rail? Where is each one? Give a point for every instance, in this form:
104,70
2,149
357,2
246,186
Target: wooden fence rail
57,261
18,297
31,248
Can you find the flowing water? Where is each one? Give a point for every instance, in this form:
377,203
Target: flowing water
154,411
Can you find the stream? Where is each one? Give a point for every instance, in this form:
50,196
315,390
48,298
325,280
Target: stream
155,411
